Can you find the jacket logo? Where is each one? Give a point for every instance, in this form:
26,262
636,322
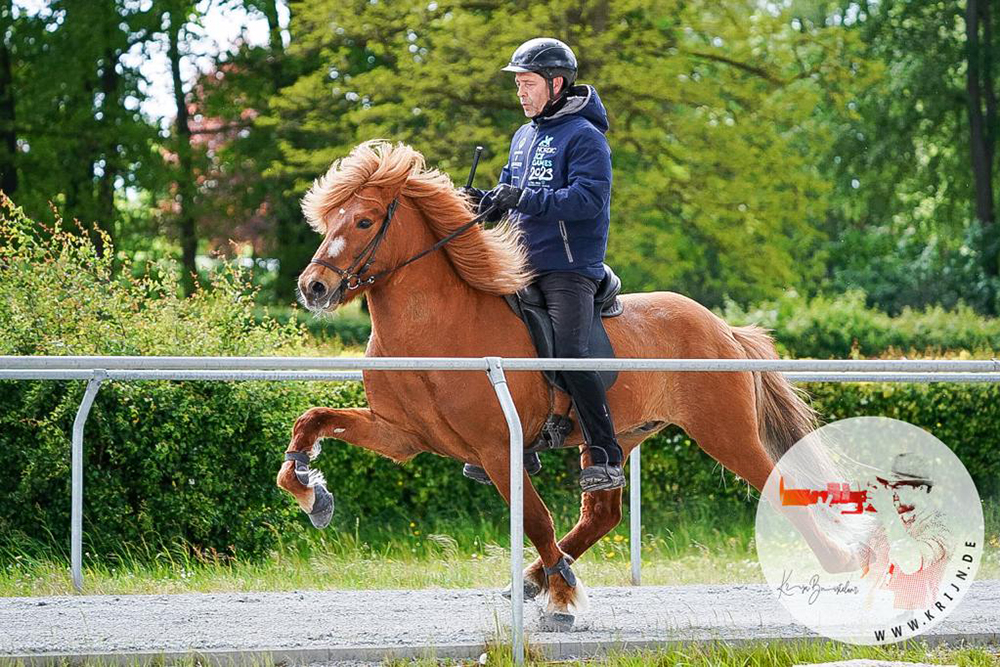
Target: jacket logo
541,162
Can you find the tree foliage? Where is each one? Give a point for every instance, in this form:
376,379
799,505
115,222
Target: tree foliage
713,109
820,145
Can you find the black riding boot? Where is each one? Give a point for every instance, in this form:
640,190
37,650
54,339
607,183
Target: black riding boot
569,299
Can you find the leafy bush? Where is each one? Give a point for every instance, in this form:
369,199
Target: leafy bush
194,462
840,327
349,324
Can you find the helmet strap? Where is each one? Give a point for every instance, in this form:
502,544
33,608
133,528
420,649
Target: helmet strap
552,95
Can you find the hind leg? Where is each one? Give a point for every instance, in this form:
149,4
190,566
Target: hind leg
566,594
600,512
724,424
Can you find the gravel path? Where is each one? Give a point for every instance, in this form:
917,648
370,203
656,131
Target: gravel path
366,625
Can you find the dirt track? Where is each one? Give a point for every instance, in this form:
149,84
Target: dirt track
365,625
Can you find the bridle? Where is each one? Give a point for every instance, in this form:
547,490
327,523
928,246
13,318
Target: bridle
351,279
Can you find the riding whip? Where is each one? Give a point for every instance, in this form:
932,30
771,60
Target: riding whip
475,163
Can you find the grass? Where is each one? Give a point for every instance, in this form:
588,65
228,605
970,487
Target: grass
461,555
756,654
749,654
700,549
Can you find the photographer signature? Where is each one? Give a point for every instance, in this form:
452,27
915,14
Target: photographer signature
813,588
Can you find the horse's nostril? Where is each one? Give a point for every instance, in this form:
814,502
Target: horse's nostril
317,288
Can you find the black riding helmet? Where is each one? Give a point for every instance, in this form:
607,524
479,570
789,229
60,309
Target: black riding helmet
548,57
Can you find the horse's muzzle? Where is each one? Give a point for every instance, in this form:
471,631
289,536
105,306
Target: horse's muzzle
323,300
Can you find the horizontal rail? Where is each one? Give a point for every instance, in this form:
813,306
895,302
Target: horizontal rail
232,376
892,377
480,364
356,376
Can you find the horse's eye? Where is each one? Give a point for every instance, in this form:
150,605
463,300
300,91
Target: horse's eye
364,223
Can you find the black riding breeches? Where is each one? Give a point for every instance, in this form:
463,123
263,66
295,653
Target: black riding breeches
569,297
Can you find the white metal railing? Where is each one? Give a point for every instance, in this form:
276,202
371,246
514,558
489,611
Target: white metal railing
96,370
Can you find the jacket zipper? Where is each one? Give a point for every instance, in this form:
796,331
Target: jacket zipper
565,238
528,157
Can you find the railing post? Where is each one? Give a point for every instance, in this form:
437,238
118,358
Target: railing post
495,372
635,515
76,511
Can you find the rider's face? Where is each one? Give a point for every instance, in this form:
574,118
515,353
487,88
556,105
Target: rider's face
532,91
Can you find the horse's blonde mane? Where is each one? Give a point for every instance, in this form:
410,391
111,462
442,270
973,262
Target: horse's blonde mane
492,260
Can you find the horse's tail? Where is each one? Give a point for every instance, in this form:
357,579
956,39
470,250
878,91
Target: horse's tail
783,413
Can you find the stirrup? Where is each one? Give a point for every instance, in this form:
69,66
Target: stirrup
602,477
532,464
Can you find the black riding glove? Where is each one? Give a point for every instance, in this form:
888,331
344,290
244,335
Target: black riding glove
505,196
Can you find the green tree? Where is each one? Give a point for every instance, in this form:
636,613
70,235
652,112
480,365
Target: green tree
242,201
79,135
912,166
714,123
8,134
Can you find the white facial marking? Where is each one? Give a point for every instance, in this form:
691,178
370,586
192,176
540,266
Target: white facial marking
336,245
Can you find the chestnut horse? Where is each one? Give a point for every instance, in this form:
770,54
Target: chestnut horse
449,304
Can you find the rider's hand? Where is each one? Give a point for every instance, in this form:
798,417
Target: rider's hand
475,195
505,196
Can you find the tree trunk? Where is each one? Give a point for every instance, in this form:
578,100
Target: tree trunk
185,172
106,185
982,126
8,133
277,47
109,82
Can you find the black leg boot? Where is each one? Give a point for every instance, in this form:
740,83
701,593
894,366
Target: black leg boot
532,463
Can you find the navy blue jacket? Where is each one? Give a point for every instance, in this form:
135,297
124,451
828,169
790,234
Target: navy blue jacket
563,162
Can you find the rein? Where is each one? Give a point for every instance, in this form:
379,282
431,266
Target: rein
352,280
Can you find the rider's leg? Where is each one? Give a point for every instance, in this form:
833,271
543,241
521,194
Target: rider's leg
569,298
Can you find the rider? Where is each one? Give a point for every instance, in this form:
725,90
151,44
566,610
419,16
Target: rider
557,184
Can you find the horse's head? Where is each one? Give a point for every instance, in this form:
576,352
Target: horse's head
365,206
353,249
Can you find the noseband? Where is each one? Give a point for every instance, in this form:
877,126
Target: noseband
351,279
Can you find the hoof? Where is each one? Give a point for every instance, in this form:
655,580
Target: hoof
531,590
322,510
556,621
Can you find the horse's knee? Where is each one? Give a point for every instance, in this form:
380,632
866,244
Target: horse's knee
311,422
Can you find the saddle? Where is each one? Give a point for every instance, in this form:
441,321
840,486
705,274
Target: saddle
529,305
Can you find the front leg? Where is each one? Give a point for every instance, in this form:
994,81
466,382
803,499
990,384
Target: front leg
357,426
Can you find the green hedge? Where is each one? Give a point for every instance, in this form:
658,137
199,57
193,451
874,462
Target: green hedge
349,325
165,461
195,462
841,327
824,327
